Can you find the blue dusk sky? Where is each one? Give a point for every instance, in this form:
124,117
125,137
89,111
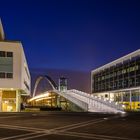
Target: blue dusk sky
78,35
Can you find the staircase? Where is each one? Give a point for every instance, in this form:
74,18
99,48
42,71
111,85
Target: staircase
89,102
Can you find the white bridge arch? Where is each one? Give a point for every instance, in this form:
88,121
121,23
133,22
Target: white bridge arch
38,80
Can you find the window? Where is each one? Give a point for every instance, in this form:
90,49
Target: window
6,54
9,54
6,75
6,64
9,75
2,75
2,54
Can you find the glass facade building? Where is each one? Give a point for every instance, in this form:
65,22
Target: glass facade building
122,75
119,79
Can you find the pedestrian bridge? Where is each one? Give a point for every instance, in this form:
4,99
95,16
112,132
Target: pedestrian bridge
87,102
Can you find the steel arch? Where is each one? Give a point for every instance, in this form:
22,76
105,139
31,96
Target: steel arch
49,79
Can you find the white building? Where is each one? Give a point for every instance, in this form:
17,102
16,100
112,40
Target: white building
14,74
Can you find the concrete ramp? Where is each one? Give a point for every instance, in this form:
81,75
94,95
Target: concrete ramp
89,102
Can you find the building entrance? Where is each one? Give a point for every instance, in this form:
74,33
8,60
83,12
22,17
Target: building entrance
8,101
8,105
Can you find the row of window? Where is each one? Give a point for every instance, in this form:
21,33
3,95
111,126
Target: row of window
116,84
6,54
118,79
118,73
6,75
122,65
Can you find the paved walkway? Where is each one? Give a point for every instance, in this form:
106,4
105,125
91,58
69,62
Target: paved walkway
68,126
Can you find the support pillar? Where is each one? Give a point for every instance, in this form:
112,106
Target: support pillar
58,101
139,95
18,101
122,97
0,101
109,96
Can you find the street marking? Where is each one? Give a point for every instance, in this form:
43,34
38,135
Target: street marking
57,131
18,136
38,130
63,130
5,117
34,136
102,136
77,124
21,128
82,136
83,125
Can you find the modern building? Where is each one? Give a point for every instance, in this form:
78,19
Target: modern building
119,81
14,74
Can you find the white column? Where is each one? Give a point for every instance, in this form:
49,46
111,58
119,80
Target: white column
0,104
17,101
0,101
58,101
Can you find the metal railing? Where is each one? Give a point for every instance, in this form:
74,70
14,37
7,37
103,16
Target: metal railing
89,102
73,99
96,103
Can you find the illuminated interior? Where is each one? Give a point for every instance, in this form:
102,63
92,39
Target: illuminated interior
10,100
130,99
46,99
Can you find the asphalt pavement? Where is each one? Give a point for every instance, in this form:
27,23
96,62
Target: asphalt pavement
69,126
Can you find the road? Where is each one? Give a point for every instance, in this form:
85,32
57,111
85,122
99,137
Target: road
69,126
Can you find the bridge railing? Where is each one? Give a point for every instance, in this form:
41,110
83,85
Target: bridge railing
74,100
88,98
